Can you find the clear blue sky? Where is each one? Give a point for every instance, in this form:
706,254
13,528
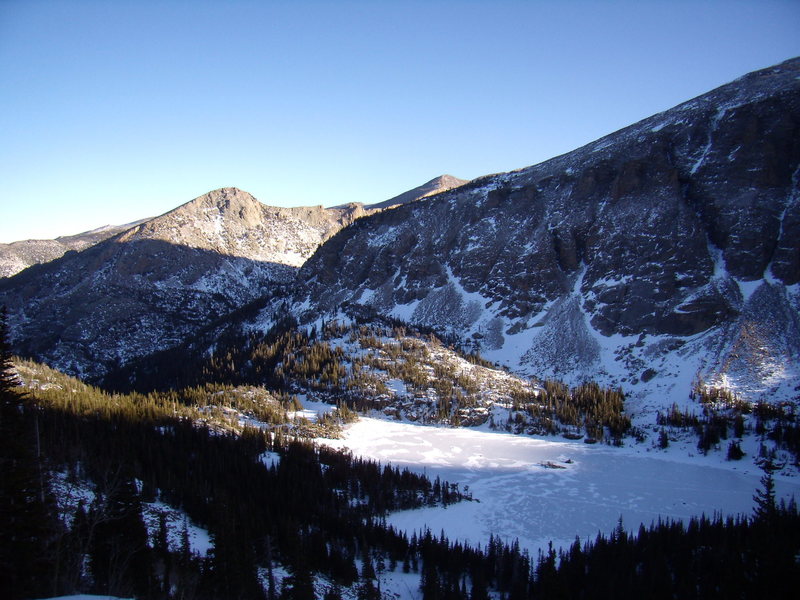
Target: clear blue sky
114,111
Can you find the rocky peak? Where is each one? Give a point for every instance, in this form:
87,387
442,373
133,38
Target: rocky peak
232,222
429,188
447,182
160,280
229,201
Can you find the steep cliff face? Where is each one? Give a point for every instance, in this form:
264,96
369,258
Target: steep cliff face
671,245
149,287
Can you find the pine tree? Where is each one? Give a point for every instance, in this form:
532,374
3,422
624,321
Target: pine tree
271,590
479,589
429,582
28,521
367,570
299,585
119,554
735,451
162,553
765,497
663,439
368,591
8,382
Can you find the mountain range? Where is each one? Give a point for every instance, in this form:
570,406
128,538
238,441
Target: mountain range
133,290
18,256
657,258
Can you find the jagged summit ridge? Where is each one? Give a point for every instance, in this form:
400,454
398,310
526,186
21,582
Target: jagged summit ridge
442,183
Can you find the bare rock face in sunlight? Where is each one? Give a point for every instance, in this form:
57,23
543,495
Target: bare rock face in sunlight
233,223
160,280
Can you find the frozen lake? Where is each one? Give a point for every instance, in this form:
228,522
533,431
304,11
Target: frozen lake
521,498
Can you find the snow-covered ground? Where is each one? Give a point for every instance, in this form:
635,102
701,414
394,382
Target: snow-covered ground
521,493
69,494
198,537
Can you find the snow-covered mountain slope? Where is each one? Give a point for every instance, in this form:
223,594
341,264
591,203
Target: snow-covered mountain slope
662,252
156,283
430,188
18,256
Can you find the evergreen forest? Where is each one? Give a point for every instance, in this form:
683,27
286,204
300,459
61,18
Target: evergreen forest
88,477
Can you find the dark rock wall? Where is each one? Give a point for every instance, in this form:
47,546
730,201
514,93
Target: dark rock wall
647,222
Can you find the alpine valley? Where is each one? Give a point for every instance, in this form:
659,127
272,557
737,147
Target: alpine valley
636,296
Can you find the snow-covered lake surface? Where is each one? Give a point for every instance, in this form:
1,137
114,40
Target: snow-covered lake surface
519,497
